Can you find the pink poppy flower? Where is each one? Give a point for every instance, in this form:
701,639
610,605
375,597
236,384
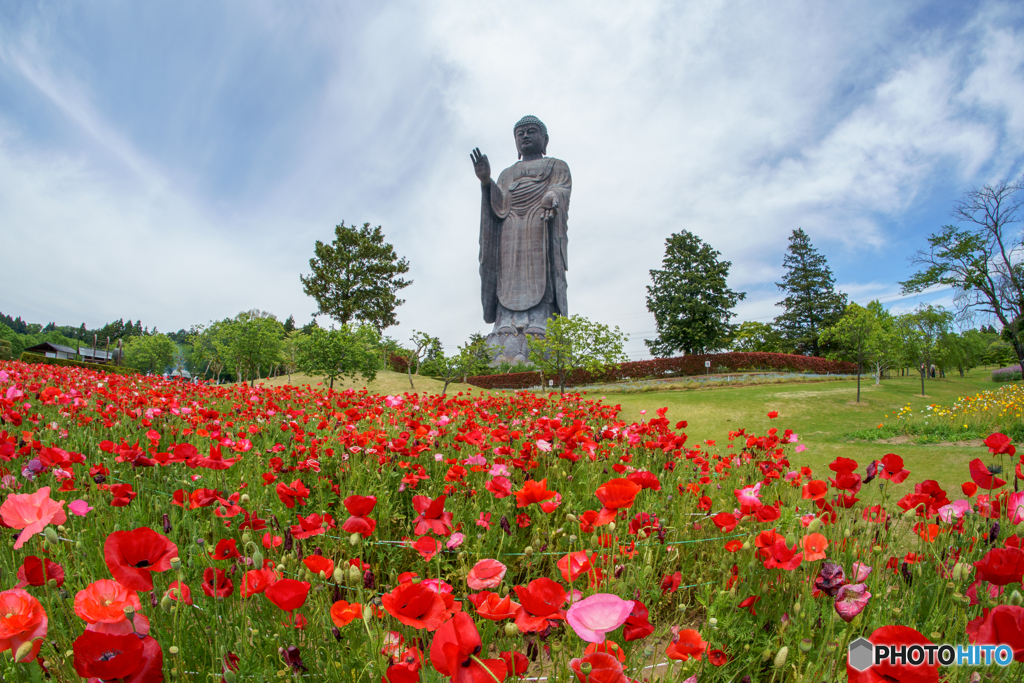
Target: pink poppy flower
79,508
31,512
851,600
593,617
455,541
957,509
749,495
1014,507
477,459
485,520
860,572
486,574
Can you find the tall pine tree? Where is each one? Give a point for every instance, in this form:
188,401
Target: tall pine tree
691,303
812,302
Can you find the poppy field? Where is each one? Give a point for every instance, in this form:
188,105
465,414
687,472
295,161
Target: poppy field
158,530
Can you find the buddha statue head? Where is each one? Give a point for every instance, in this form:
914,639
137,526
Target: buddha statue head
531,137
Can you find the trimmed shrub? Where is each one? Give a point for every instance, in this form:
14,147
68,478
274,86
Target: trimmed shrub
680,366
5,350
27,357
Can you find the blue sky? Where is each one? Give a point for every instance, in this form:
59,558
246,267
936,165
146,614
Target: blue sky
175,162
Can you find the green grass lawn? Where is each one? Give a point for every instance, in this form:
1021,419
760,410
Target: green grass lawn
823,415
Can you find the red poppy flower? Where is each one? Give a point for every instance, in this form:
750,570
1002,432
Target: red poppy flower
500,487
670,582
1001,625
270,541
313,525
617,494
344,613
492,606
687,644
768,513
969,488
783,557
773,414
637,626
748,604
486,573
123,495
23,621
127,658
1001,566
533,492
891,467
36,572
999,444
296,492
256,581
317,564
733,546
983,477
227,549
541,602
453,653
900,673
587,521
718,657
133,556
574,565
288,594
815,490
216,583
725,521
359,523
427,547
432,516
104,602
516,663
645,480
179,591
416,605
604,668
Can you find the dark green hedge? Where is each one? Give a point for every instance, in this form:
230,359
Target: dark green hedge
5,350
27,357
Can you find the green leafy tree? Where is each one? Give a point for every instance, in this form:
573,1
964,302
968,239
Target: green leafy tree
478,355
290,352
250,343
926,327
421,345
357,277
751,336
689,297
575,343
865,336
812,302
149,353
981,258
346,351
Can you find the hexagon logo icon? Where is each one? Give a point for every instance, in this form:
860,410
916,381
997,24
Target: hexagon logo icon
861,654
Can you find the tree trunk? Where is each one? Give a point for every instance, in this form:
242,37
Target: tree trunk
409,369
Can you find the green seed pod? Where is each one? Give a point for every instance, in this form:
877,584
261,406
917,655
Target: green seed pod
511,629
573,538
52,583
129,612
175,563
814,525
229,676
556,646
51,535
806,645
1016,598
244,499
780,658
766,655
797,608
831,647
585,668
173,649
354,540
79,545
936,635
571,518
528,551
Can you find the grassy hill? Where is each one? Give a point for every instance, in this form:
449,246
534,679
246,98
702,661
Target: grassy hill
387,382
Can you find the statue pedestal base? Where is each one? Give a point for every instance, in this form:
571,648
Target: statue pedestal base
509,347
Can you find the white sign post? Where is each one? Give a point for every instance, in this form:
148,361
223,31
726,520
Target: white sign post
707,367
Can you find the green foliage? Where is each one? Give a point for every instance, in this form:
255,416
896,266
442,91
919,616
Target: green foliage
575,343
864,336
356,277
812,302
152,353
689,297
980,257
342,352
751,336
250,343
98,367
5,350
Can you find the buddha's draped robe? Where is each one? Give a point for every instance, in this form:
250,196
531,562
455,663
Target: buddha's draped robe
521,254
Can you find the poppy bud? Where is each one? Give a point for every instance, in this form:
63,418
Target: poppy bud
611,527
1016,598
229,676
877,548
790,539
257,559
573,539
51,535
281,567
175,563
746,545
354,574
323,574
244,499
806,645
796,608
166,603
814,525
24,651
52,583
61,528
354,539
713,622
511,629
766,655
246,537
79,545
338,576
528,551
847,533
780,658
369,580
594,541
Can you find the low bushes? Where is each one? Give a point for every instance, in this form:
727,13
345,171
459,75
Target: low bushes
678,366
1009,374
36,358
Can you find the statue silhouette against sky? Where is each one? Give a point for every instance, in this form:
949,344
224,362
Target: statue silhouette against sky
523,241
